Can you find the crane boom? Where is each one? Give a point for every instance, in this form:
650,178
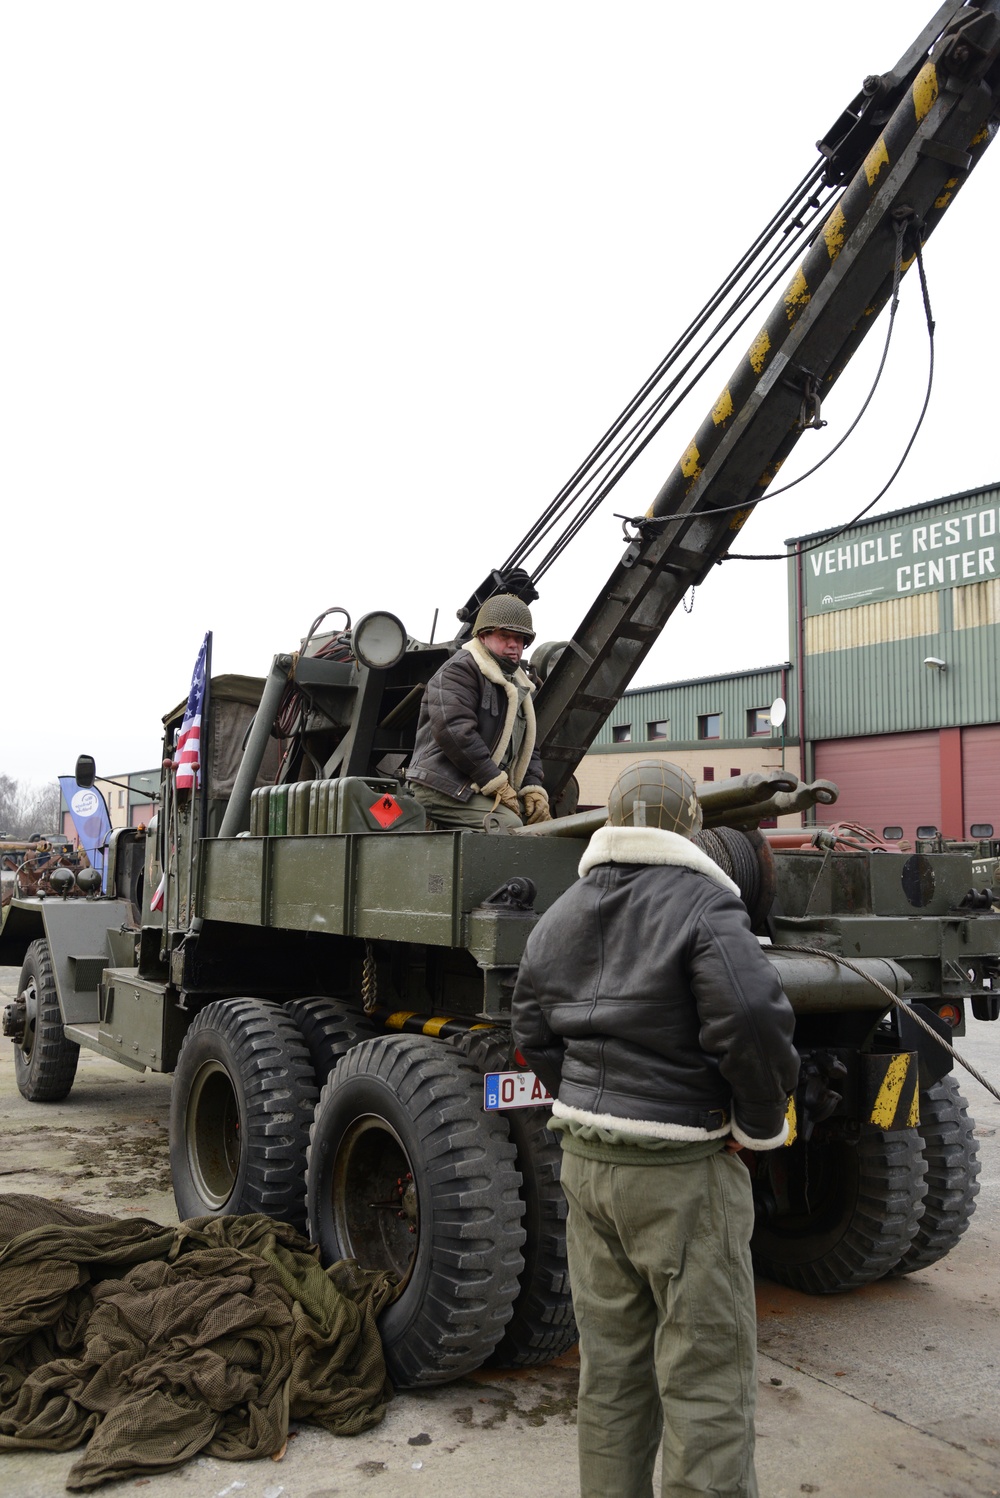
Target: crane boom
904,149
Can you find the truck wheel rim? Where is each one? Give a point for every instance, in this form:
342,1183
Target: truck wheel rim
30,997
375,1203
213,1135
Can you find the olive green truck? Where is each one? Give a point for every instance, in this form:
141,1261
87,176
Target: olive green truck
330,982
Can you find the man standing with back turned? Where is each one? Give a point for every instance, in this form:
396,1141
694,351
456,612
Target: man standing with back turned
646,1005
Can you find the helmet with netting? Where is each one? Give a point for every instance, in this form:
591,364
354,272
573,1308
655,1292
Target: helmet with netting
504,611
655,793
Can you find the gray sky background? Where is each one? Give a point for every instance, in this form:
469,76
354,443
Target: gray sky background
320,304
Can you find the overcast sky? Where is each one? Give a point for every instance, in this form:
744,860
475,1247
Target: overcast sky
320,304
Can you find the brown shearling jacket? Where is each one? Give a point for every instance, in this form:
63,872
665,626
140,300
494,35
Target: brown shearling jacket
466,723
645,1003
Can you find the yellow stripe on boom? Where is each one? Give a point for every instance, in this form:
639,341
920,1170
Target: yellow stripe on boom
759,350
797,295
877,158
691,462
835,232
723,408
925,90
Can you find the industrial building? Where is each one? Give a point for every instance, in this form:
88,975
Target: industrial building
714,727
897,628
892,684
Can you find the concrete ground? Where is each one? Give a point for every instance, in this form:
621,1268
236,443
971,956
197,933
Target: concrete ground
893,1390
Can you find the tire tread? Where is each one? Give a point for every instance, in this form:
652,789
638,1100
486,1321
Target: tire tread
273,1068
46,1076
951,1154
449,1327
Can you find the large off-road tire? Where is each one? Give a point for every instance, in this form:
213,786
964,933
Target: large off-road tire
865,1201
329,1029
44,1060
542,1325
952,1158
407,1174
240,1109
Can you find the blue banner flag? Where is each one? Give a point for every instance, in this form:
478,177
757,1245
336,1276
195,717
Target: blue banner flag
89,811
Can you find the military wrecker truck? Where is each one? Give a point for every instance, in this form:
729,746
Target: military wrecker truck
330,982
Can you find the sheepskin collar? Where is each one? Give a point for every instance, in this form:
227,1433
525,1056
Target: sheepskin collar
512,686
493,672
650,845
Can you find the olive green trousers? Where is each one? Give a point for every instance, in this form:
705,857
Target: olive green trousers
446,811
659,1263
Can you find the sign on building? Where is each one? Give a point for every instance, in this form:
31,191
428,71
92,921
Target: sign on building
897,560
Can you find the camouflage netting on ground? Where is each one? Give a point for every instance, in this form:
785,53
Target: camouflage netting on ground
156,1344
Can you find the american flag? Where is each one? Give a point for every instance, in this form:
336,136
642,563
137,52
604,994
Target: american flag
187,755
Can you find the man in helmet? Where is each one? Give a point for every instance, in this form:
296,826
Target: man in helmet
646,1005
475,745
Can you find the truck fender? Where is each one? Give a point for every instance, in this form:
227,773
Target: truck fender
77,934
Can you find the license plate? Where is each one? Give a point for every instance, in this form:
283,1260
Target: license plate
514,1089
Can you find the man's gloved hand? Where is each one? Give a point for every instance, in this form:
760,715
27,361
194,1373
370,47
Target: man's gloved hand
536,805
505,794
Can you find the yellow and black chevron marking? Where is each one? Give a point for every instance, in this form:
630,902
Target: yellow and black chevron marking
793,1121
890,1097
412,1023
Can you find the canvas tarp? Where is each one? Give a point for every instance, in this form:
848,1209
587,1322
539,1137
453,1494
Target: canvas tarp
156,1344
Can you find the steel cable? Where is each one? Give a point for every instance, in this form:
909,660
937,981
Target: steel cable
634,442
799,199
828,536
729,848
795,221
906,1009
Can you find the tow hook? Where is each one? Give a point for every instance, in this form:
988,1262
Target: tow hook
14,1016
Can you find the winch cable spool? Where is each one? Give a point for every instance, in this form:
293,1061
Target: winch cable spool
747,858
728,847
901,1005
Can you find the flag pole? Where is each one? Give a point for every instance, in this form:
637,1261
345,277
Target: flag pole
206,741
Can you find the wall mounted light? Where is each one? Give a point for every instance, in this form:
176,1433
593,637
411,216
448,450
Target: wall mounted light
935,662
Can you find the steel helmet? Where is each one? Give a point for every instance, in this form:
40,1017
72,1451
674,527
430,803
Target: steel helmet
504,611
655,793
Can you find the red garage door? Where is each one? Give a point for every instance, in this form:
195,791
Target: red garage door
981,775
887,780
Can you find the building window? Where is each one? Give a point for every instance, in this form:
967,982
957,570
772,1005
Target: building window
121,798
735,774
758,722
658,730
621,733
708,772
710,726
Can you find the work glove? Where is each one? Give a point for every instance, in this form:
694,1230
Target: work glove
536,805
504,792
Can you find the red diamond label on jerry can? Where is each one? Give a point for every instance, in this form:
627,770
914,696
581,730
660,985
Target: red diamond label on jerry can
386,810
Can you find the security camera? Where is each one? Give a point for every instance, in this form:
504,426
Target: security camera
936,662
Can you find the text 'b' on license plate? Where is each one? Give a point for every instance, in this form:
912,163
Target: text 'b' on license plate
514,1089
